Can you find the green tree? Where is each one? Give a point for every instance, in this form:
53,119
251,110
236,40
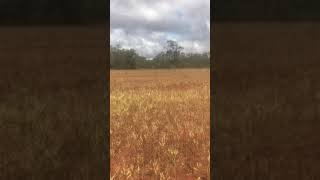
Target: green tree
173,51
123,58
131,57
172,57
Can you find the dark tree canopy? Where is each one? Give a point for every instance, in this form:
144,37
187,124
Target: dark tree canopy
173,51
172,57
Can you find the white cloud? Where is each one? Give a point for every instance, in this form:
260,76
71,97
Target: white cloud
145,25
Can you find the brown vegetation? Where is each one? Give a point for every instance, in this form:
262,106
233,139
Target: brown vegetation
159,124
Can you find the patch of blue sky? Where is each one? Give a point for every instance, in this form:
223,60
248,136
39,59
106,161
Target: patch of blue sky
173,36
179,14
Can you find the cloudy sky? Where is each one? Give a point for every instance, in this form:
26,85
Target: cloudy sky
145,25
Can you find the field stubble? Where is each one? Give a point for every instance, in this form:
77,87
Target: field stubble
160,127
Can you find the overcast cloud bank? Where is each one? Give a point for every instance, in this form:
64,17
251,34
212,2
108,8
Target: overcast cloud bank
145,25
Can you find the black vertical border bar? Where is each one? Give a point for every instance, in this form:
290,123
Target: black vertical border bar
304,13
212,95
103,21
108,90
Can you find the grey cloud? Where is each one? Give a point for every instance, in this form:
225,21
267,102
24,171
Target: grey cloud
145,25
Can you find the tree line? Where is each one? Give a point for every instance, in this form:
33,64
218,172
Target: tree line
171,57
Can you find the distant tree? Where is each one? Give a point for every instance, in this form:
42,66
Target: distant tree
173,51
123,58
172,57
131,57
161,60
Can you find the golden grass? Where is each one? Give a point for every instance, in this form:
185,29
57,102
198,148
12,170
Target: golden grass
160,124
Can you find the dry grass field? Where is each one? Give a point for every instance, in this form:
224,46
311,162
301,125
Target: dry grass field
160,124
52,110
